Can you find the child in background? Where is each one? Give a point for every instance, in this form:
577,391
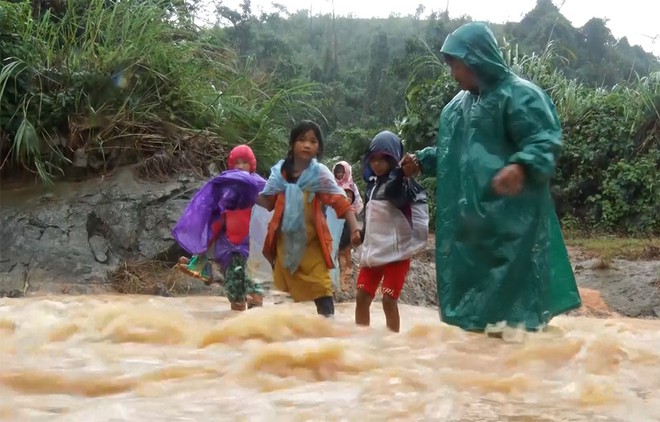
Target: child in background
298,242
343,175
396,227
216,226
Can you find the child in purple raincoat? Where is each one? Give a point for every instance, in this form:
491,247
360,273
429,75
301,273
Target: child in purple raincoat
216,225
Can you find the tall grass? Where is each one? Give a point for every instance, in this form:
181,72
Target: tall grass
124,81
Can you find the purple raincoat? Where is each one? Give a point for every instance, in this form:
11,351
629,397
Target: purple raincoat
231,190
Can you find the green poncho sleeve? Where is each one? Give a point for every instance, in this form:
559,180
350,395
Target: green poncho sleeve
428,160
532,124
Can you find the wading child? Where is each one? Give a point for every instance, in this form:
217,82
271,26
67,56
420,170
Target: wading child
298,242
396,227
215,226
343,175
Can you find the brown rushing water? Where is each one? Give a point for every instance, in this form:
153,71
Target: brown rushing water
134,358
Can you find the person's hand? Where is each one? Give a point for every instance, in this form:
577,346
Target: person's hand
509,181
356,237
410,166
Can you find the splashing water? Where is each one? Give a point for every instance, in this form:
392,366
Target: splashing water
110,358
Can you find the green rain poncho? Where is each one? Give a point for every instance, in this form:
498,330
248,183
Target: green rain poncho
498,258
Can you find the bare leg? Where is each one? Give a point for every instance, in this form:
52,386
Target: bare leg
362,305
349,260
349,264
391,309
344,268
255,301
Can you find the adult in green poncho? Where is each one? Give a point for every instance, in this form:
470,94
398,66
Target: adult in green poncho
500,254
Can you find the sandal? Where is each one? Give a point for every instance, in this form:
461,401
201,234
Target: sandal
191,268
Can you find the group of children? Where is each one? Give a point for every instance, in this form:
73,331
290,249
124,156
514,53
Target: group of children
298,243
500,254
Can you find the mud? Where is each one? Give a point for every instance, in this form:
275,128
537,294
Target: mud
630,288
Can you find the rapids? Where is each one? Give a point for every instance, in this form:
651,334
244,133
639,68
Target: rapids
134,358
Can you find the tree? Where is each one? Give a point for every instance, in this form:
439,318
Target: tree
240,21
379,58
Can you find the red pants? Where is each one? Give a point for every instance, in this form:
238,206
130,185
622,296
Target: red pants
393,276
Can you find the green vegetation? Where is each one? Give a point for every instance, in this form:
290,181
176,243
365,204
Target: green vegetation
87,85
104,83
611,247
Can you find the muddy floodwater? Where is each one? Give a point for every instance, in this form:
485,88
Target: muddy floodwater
143,358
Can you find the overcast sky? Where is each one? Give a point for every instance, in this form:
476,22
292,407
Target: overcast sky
635,19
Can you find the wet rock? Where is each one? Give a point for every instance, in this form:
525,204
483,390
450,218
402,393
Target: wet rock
161,290
11,293
6,266
85,230
626,286
99,248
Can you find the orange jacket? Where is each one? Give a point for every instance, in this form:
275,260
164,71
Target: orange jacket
338,202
